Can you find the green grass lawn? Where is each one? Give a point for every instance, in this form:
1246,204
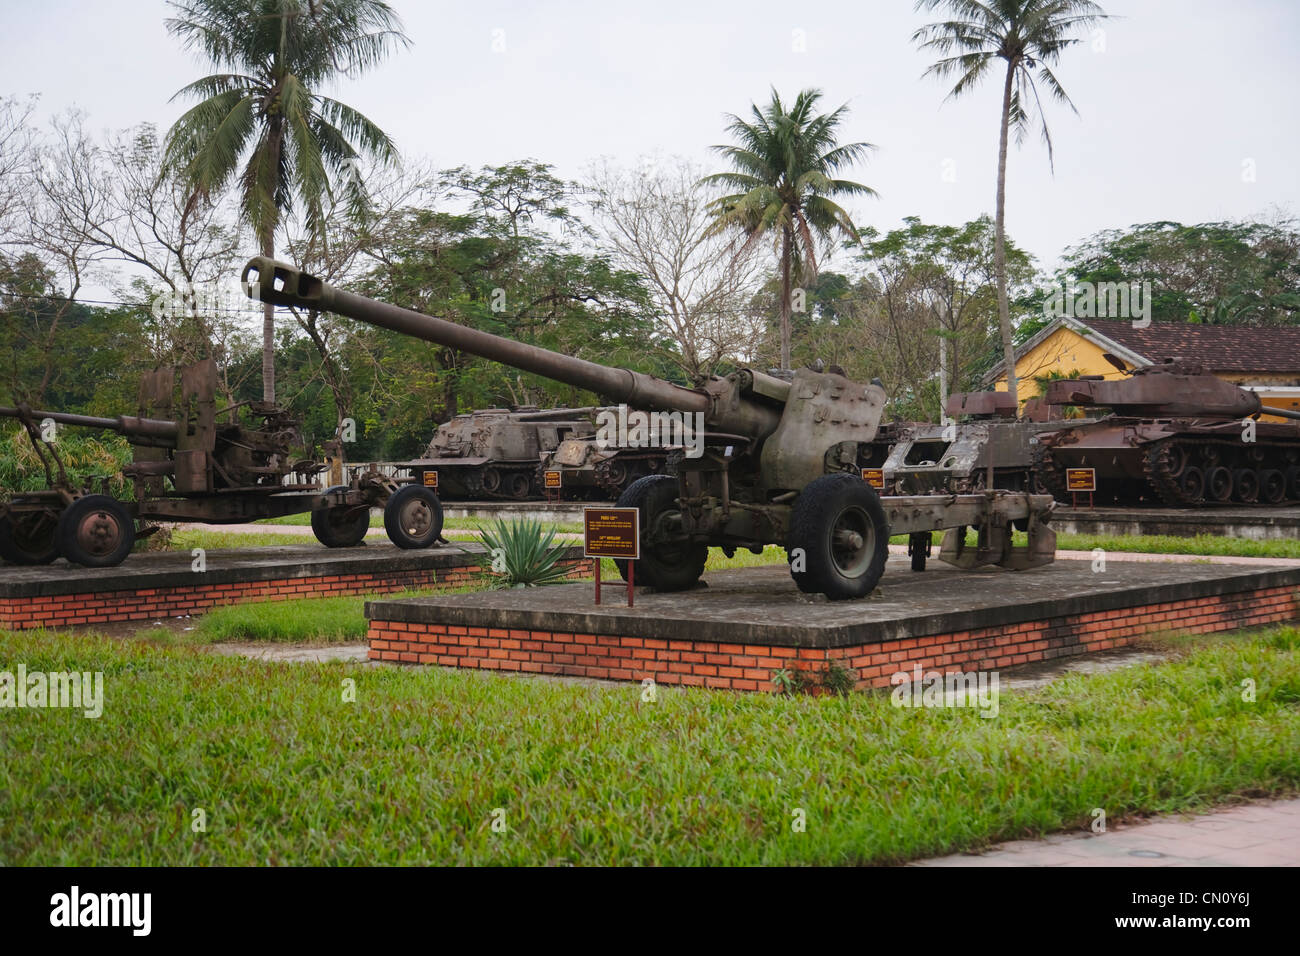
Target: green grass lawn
288,772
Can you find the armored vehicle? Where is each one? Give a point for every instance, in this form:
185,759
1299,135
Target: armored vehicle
982,432
592,470
1176,435
494,453
780,465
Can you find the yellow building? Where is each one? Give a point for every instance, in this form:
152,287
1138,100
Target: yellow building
1266,360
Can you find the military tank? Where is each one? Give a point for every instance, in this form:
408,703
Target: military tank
493,453
1177,435
955,457
592,470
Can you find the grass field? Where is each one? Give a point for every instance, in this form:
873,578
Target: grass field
416,769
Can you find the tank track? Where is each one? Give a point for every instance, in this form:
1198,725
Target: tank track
1160,475
1050,474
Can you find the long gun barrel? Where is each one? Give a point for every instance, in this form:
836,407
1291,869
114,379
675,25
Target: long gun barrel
156,430
282,284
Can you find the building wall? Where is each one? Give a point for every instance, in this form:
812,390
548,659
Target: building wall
1064,351
1071,354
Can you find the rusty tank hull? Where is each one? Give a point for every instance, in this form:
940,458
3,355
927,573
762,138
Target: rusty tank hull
494,453
1176,436
593,470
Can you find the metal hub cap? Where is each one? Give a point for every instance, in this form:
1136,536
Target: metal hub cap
416,518
853,539
98,533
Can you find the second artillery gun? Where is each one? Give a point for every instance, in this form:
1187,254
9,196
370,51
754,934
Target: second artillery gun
780,462
193,462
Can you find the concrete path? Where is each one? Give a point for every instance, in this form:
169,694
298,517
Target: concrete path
1258,834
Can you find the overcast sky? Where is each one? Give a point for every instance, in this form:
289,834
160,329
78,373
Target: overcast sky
1174,98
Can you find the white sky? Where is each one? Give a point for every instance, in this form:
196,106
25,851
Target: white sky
1184,93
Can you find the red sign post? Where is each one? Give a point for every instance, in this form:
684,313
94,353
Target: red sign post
551,482
612,533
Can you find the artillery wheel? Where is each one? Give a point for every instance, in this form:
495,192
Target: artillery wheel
96,531
1293,481
840,526
343,526
413,517
1192,483
669,566
1245,481
1272,486
1218,484
490,480
28,540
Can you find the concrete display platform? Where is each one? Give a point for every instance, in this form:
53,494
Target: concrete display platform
165,583
748,623
1256,524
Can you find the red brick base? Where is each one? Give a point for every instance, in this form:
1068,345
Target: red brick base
750,666
109,606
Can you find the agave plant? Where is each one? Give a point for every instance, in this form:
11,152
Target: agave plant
524,554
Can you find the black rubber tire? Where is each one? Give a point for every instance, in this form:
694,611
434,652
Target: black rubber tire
826,503
1245,485
1219,485
96,532
1272,486
19,545
340,527
1192,482
413,517
664,567
1293,482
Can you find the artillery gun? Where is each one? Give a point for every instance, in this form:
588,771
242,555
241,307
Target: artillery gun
494,453
193,463
1176,435
779,465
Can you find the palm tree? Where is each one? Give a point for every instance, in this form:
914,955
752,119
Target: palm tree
784,164
295,145
1029,35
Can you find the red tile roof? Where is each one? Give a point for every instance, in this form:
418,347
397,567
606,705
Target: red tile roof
1220,348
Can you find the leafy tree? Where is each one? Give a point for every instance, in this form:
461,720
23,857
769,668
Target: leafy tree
784,167
1029,36
265,110
1220,273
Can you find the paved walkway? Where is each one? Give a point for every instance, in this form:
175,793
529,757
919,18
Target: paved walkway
1258,834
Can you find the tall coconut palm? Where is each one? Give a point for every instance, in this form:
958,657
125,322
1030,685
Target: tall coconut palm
1029,35
263,112
784,163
